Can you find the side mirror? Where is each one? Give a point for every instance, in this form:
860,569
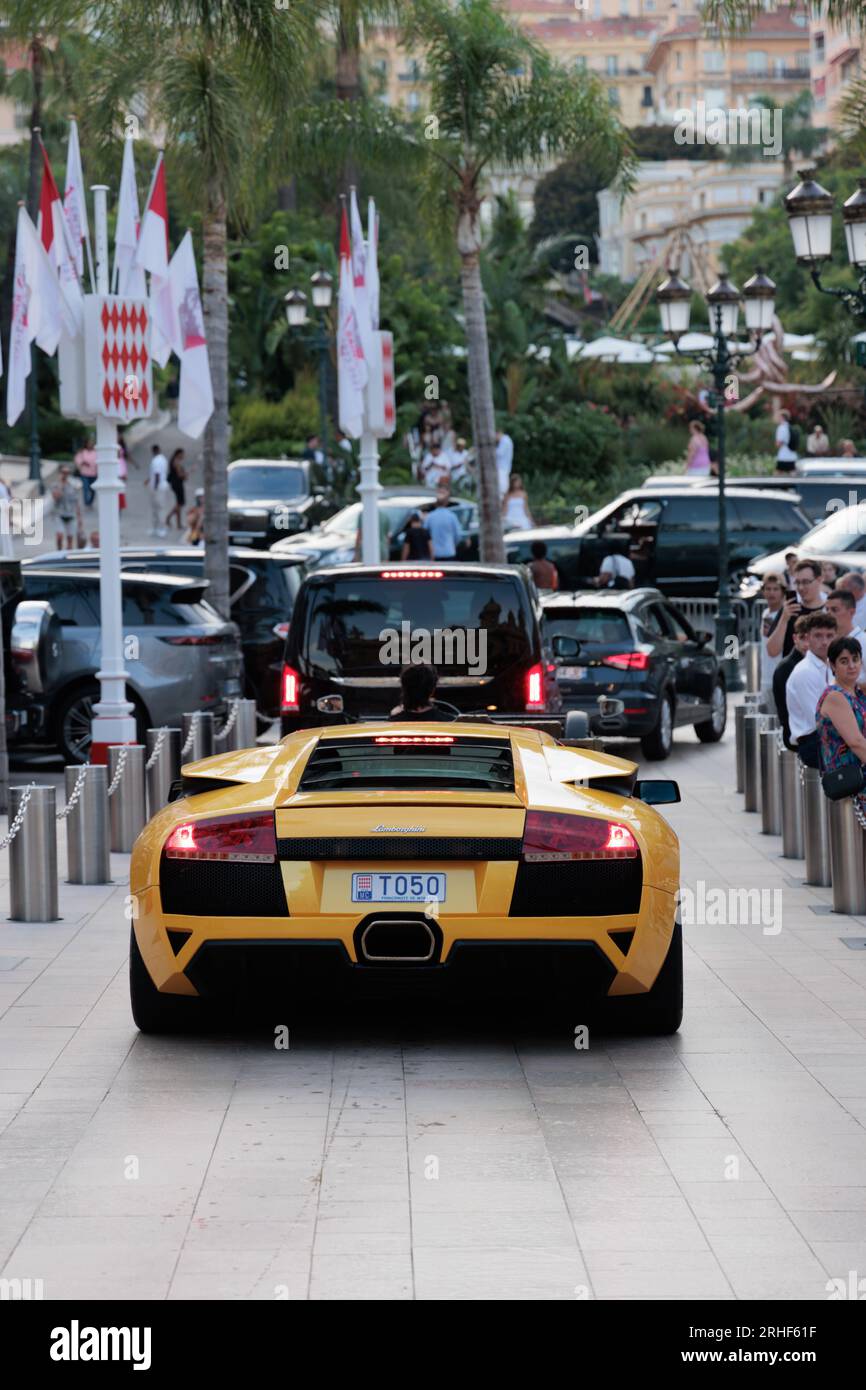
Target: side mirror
565,648
656,792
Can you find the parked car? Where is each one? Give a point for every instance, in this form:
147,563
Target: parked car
263,587
634,664
840,537
672,536
818,495
269,499
335,542
840,466
337,665
186,657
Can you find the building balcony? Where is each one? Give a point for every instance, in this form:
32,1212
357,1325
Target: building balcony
779,74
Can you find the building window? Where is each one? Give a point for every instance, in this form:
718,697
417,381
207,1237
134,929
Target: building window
678,61
611,64
714,60
623,9
413,101
649,6
766,196
647,99
819,48
756,60
801,58
580,63
613,95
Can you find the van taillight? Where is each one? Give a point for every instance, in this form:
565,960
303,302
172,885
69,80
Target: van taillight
551,836
248,839
289,691
535,688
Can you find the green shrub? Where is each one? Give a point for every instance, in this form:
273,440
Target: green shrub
281,426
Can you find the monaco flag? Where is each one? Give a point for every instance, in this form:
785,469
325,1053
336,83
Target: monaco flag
37,311
372,267
351,366
195,405
74,201
54,235
359,275
128,277
152,255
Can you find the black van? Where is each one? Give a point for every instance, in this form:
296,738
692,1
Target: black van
354,627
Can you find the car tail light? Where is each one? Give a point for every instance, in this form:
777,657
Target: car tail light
412,574
413,738
289,690
281,630
551,835
243,839
627,661
535,688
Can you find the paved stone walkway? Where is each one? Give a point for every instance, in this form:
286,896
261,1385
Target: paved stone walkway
425,1158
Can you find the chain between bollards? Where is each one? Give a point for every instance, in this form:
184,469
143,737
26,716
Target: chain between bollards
76,792
119,770
19,816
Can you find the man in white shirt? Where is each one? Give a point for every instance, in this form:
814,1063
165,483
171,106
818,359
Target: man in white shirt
854,582
773,593
158,484
805,685
840,603
786,454
504,459
616,570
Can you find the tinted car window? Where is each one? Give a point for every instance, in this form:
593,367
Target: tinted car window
675,625
764,514
651,623
692,513
146,607
640,511
604,625
348,617
70,601
246,484
272,591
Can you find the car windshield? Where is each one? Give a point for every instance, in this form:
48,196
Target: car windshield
249,483
463,626
843,530
604,625
348,518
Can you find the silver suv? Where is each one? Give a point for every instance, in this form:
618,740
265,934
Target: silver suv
179,653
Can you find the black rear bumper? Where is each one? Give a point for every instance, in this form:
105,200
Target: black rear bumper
570,971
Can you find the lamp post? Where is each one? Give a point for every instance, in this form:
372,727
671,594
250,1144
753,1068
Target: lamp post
810,219
322,287
723,306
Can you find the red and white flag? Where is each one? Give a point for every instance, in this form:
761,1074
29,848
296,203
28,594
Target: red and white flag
37,311
128,277
152,255
54,235
351,365
372,268
195,404
74,200
359,275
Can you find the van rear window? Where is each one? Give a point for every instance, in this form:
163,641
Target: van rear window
373,627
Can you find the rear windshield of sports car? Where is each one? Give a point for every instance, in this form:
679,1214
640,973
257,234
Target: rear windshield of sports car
373,627
422,761
606,626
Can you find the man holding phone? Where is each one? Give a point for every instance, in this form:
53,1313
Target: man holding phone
806,598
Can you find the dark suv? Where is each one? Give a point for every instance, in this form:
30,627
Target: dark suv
634,664
356,626
672,536
272,498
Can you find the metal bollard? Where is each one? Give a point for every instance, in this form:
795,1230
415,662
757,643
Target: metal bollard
816,838
33,857
752,653
792,805
165,768
847,858
202,739
128,814
87,853
739,745
243,735
771,782
752,725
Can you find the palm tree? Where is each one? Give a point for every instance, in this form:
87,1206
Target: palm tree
217,77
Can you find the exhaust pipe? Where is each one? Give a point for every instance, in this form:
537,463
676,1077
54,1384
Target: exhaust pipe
392,941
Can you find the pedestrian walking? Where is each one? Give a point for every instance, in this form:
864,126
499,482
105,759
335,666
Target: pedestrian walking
697,451
85,466
417,544
177,483
195,520
67,508
515,506
445,530
787,442
158,484
504,459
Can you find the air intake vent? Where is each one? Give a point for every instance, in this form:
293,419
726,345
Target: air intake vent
622,939
399,760
177,940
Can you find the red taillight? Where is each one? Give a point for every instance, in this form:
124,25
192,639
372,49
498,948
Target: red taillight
289,689
412,574
245,839
413,738
551,835
281,630
627,661
535,688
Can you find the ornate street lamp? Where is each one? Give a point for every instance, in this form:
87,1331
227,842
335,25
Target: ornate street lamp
810,218
723,307
322,289
296,308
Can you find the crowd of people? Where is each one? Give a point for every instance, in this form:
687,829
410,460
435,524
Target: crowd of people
701,459
813,646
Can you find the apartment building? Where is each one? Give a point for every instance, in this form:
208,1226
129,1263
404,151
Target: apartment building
837,58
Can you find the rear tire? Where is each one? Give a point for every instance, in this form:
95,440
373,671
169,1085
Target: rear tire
154,1012
656,746
660,1010
712,730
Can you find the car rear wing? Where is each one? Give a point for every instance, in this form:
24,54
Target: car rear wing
571,729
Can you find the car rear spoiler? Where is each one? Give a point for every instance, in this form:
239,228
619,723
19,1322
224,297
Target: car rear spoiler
554,724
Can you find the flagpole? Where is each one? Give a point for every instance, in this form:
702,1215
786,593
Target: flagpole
90,269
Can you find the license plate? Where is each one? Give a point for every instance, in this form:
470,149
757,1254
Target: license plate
398,888
573,673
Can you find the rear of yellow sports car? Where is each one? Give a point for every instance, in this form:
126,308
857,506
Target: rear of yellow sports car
371,860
